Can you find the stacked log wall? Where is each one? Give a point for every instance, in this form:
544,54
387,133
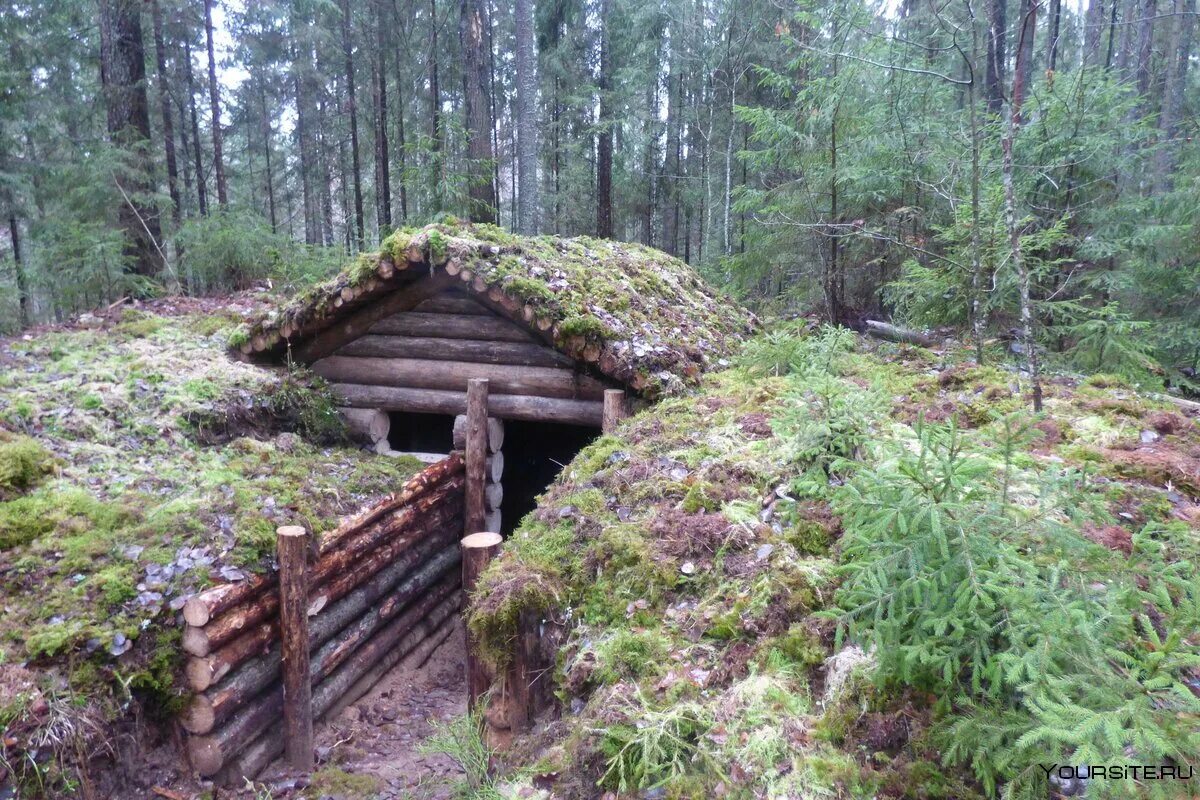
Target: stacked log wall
420,359
384,584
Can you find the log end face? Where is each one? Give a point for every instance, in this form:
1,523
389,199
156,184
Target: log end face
204,753
483,539
196,612
199,716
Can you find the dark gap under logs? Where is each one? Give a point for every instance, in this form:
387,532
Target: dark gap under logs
421,433
534,454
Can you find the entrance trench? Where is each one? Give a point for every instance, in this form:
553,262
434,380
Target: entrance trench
381,735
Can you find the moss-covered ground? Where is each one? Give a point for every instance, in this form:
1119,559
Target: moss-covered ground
852,569
138,463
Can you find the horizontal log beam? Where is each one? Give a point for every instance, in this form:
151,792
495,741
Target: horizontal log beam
505,406
477,351
452,326
452,304
417,373
204,606
334,574
373,659
209,753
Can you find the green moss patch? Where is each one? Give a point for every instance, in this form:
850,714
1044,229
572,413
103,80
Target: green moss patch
24,463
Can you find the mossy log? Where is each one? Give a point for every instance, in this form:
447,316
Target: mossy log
209,753
371,661
199,610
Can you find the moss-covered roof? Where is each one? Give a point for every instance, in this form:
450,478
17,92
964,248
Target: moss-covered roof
640,316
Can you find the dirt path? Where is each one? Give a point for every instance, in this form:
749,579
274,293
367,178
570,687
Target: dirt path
380,735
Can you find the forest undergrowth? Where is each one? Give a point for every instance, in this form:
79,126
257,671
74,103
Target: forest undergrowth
847,569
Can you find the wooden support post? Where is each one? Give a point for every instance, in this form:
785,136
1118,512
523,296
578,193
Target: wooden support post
476,453
614,409
478,550
292,548
524,672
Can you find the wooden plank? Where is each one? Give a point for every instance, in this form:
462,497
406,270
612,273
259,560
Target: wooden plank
453,304
505,406
415,373
452,326
357,324
477,351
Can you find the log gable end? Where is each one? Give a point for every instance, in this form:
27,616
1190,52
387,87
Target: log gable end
420,361
610,314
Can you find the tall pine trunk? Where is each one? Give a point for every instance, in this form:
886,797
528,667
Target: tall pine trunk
197,156
348,56
997,54
401,145
383,165
528,205
168,124
474,34
604,147
1179,49
123,77
214,95
23,309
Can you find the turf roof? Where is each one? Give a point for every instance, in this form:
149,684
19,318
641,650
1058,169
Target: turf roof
641,317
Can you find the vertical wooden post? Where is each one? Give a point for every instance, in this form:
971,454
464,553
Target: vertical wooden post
614,409
523,672
292,548
478,549
476,455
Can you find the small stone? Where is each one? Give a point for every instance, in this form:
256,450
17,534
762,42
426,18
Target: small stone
688,568
764,552
1149,437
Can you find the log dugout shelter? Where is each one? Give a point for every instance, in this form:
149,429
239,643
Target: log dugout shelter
551,323
559,329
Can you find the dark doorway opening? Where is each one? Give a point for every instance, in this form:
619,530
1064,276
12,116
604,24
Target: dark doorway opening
534,454
421,433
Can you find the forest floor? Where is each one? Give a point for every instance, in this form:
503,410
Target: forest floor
138,464
704,556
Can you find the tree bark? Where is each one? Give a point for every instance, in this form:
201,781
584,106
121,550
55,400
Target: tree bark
604,147
435,109
383,167
14,232
214,95
123,77
528,205
352,97
401,144
168,123
294,653
1052,37
474,36
1092,32
197,156
997,54
1178,53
